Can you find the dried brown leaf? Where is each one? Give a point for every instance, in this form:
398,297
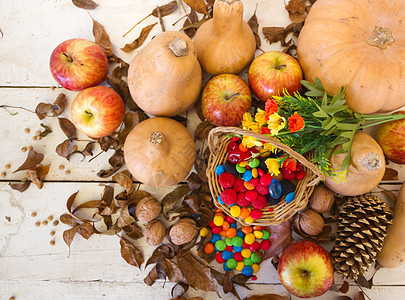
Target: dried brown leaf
359,296
130,253
198,110
280,238
297,17
140,40
194,182
296,6
254,25
192,18
390,174
363,282
125,218
20,186
102,39
88,150
165,10
68,220
51,110
345,287
130,120
69,235
178,290
157,272
63,149
107,173
46,131
273,34
133,231
197,5
267,297
124,180
344,298
170,200
121,70
202,130
195,25
173,271
121,87
162,251
33,159
85,230
85,205
193,201
67,127
85,4
37,174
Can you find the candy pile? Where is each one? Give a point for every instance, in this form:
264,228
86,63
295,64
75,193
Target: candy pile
249,185
237,248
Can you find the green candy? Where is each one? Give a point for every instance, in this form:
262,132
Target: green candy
240,169
228,241
231,263
248,261
237,241
254,163
220,245
256,258
266,234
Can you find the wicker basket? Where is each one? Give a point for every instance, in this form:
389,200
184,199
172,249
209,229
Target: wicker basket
218,140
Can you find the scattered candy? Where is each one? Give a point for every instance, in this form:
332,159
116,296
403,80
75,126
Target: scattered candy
235,211
290,197
219,170
220,245
275,189
256,214
204,232
226,180
209,248
247,270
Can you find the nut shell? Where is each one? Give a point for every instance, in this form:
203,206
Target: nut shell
321,199
155,232
311,222
148,209
183,231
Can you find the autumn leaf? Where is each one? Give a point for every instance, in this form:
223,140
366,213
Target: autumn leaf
130,120
69,220
192,18
121,87
69,235
63,148
88,150
130,253
254,25
267,297
162,251
273,34
197,5
46,131
390,174
85,4
33,159
165,10
133,231
280,238
101,38
202,130
37,174
85,230
170,200
124,180
52,110
296,6
140,40
194,182
67,127
20,186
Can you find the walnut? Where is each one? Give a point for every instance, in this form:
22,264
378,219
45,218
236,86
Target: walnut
321,199
155,232
311,222
183,231
148,209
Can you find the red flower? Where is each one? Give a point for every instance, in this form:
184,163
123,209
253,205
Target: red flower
271,106
295,122
290,164
264,130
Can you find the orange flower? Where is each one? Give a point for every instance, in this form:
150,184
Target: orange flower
290,164
271,106
295,122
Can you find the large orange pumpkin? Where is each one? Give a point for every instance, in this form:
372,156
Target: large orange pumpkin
359,44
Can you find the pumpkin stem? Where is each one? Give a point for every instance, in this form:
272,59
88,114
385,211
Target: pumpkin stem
179,47
381,37
156,137
372,161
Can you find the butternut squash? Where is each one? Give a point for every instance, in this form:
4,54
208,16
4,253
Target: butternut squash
392,253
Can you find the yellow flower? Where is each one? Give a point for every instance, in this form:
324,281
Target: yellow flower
273,166
249,141
261,117
269,147
276,123
249,124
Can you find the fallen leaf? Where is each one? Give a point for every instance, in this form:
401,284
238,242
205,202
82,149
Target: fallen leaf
20,186
197,5
344,298
267,297
363,282
296,6
121,70
63,148
297,17
124,180
123,198
192,18
131,119
37,174
130,253
85,230
280,238
85,4
165,10
87,204
390,174
359,296
157,272
140,40
170,200
121,87
254,25
202,130
125,218
194,182
69,235
33,159
133,231
88,150
162,251
101,38
193,201
46,131
107,142
51,110
67,127
69,220
178,290
345,287
273,34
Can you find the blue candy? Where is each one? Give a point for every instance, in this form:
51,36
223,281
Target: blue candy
237,249
227,255
219,169
275,189
247,270
220,200
247,175
234,225
226,269
215,238
290,197
241,234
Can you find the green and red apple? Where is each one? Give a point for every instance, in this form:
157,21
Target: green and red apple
225,99
77,64
391,137
272,72
97,111
306,270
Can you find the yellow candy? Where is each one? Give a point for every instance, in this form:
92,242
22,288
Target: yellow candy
240,266
235,211
258,234
203,232
254,173
249,238
264,152
243,164
246,253
218,220
248,186
255,268
249,220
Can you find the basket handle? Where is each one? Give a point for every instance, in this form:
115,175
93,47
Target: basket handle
226,130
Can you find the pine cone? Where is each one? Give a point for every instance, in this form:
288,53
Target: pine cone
360,234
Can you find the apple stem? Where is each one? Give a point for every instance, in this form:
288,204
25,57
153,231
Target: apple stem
89,113
280,66
229,97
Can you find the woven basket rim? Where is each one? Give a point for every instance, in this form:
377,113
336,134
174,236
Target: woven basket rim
219,137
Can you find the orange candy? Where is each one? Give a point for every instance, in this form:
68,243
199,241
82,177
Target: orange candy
219,210
223,233
243,148
225,225
244,213
209,248
231,232
257,228
246,229
248,186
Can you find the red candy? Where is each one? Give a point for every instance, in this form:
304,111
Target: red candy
228,248
251,195
239,186
265,179
261,172
245,246
229,196
242,201
256,214
260,202
300,174
254,181
254,278
232,146
265,244
287,174
236,156
261,189
216,230
219,258
229,220
255,246
235,139
212,224
226,180
238,257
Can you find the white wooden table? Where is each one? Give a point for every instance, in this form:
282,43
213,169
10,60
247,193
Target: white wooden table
32,268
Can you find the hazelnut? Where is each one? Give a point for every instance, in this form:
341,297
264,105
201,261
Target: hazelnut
148,209
155,232
311,222
321,199
183,231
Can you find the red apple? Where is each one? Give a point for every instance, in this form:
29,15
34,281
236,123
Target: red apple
225,99
305,269
77,64
391,137
272,72
97,111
